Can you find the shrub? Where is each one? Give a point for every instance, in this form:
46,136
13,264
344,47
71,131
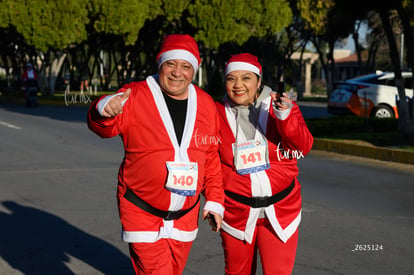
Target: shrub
320,127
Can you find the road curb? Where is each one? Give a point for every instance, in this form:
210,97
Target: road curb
373,152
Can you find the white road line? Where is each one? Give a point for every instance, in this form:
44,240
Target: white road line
10,125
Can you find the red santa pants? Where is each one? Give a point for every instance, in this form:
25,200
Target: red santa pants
276,257
165,256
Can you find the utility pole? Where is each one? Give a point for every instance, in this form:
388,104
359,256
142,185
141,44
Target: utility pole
402,51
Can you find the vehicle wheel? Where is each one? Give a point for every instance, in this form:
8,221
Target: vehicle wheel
382,111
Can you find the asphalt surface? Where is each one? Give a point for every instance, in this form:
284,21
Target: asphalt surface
58,211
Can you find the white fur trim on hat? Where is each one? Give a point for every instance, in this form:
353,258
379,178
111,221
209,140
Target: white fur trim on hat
241,66
179,54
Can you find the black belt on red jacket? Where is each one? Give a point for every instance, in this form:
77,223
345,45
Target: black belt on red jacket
258,202
166,215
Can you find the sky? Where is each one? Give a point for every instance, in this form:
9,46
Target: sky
362,34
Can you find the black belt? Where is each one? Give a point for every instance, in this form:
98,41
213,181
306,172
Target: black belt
258,202
166,215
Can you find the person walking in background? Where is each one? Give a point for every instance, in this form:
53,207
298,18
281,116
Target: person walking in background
84,79
262,136
29,79
169,129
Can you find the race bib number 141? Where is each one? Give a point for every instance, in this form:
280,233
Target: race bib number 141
250,157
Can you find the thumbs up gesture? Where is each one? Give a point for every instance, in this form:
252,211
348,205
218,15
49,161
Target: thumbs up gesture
115,104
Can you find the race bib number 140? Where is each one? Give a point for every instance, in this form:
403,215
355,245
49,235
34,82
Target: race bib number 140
182,177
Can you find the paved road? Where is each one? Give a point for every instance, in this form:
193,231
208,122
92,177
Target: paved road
314,109
58,212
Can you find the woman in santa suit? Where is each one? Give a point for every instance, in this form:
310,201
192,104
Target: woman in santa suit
169,129
262,137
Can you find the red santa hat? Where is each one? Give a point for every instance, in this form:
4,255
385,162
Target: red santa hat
179,46
244,62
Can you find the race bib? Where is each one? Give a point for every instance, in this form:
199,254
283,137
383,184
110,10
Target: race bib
250,156
182,177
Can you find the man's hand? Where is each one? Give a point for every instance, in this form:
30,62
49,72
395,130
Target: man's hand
214,219
114,105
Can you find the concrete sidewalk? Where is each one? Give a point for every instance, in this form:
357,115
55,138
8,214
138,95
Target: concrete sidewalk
367,151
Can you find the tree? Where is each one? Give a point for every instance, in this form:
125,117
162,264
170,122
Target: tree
45,26
406,118
325,22
224,28
219,22
47,29
85,29
120,17
385,11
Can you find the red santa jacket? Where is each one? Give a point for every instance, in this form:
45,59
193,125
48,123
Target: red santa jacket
26,75
29,79
288,140
148,136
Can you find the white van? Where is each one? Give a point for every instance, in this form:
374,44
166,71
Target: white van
373,95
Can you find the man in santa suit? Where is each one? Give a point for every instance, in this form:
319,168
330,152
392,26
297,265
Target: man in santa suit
169,129
262,137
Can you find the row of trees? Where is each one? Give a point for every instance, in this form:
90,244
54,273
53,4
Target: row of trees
129,32
71,34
